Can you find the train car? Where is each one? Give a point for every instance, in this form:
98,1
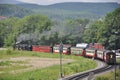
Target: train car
66,49
96,46
109,57
38,48
22,47
77,51
100,54
56,49
92,53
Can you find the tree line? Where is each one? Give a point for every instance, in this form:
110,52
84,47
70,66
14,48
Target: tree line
105,31
40,30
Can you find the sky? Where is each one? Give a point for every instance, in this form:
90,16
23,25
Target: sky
47,2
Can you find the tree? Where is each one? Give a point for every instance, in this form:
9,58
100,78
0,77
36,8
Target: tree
106,32
29,27
91,33
73,30
111,30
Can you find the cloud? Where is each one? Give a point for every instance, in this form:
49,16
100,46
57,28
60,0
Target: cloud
46,2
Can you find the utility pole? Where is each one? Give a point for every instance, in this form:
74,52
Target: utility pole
115,64
61,50
115,53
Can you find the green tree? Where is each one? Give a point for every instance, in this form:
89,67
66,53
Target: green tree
74,30
91,33
29,27
110,35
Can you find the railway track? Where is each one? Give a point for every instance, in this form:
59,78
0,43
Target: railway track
89,73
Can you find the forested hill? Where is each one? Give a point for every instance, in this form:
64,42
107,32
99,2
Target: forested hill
74,9
100,8
68,10
10,10
9,2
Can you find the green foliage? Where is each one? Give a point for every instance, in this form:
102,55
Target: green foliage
109,76
11,28
13,11
112,30
91,34
9,51
39,29
106,31
102,78
73,10
6,63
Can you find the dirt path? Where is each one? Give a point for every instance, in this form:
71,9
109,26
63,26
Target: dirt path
36,62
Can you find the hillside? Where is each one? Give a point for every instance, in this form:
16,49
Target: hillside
10,10
9,2
73,9
68,10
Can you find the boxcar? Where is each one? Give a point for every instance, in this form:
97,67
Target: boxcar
39,48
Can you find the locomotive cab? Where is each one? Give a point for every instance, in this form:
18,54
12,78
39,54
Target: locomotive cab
110,57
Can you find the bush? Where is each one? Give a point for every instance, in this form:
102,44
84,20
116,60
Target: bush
9,51
102,78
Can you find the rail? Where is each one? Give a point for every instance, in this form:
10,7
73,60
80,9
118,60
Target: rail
89,73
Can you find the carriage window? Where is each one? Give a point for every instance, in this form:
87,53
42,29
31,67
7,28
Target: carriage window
111,56
90,51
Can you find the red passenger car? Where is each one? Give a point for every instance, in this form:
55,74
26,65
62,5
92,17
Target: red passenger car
39,48
91,53
66,49
77,51
100,54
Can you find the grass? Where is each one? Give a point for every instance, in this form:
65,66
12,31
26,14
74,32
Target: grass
110,75
7,66
49,73
118,60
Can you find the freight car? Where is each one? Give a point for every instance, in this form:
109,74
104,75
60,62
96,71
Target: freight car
38,48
